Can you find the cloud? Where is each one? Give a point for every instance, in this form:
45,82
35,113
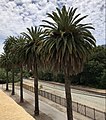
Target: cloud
17,15
96,15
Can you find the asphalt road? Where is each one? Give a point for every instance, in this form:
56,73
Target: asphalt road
90,99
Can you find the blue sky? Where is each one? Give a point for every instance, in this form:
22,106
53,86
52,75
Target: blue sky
17,15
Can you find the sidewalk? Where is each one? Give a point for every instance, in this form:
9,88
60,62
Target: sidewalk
48,109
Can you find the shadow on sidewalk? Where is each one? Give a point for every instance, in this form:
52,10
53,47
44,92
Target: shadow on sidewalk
28,107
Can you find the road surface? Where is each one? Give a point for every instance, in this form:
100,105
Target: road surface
89,99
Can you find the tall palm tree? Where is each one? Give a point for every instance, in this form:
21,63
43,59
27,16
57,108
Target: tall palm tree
34,37
8,49
5,63
20,60
67,45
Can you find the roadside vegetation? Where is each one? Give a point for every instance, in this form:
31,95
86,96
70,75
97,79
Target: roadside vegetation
93,74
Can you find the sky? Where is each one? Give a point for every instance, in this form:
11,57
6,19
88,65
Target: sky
17,15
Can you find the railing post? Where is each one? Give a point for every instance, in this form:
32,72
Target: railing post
77,107
48,95
105,115
60,101
41,92
44,94
85,109
51,96
94,114
55,98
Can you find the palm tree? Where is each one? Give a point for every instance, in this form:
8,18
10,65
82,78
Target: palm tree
34,38
8,49
5,63
67,45
20,60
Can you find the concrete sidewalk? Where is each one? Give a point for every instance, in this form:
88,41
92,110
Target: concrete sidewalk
49,109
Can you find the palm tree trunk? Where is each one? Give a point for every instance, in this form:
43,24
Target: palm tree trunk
7,80
13,90
36,112
21,85
68,97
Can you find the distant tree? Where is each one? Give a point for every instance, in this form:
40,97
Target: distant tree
94,68
8,49
103,80
92,74
20,54
5,63
99,54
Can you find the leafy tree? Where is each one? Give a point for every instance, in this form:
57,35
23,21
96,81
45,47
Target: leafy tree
67,45
91,74
94,68
103,80
99,54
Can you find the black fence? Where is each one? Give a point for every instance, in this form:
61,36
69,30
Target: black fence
77,107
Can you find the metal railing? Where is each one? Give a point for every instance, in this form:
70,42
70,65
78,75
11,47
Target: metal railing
77,107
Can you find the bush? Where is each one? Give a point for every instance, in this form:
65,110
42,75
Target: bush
59,78
103,80
26,74
47,76
2,81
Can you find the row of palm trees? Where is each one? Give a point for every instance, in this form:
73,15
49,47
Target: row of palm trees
62,43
